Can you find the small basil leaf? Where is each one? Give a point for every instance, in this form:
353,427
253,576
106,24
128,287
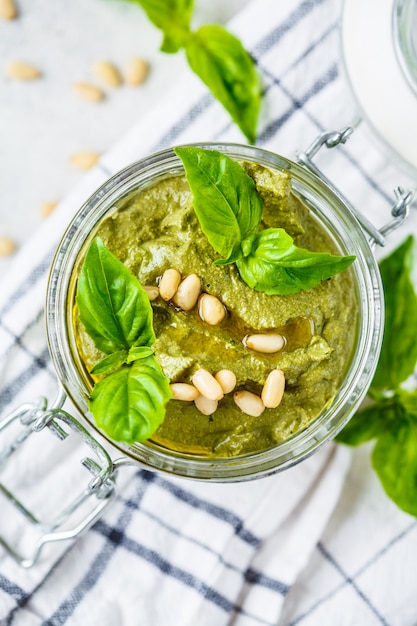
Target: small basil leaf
408,400
223,64
139,352
226,202
129,404
398,356
277,267
367,424
172,17
394,458
111,362
112,304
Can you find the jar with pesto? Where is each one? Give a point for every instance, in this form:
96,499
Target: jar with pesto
296,364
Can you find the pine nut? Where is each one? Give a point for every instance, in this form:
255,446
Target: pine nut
8,9
249,403
184,391
152,292
47,208
88,92
85,160
273,389
226,380
169,284
136,71
207,385
188,292
7,246
210,309
267,343
22,71
205,406
107,73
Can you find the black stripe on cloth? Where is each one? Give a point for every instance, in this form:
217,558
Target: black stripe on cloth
9,392
114,538
352,583
15,591
219,512
298,103
37,273
179,574
271,40
29,326
364,567
254,577
18,341
250,576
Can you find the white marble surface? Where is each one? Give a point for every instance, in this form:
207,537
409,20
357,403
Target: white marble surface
42,122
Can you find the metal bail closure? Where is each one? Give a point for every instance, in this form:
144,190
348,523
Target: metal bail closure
404,199
78,512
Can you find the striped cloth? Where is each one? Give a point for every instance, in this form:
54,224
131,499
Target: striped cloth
318,544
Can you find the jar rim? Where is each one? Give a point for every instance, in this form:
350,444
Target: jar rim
348,233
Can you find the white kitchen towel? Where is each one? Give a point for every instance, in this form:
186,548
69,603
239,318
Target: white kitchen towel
174,552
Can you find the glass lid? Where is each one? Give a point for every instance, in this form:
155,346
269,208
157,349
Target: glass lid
379,48
405,38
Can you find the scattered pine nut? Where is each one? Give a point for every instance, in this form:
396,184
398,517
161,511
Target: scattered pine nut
188,292
273,389
107,73
88,92
205,406
47,208
152,292
211,309
184,391
85,160
22,71
267,343
169,284
207,385
7,246
249,403
226,380
136,71
8,10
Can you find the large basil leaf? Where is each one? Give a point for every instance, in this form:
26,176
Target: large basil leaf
172,17
398,356
223,64
112,304
226,202
129,404
394,459
367,424
275,265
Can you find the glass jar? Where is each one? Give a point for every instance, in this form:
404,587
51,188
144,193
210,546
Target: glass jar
334,216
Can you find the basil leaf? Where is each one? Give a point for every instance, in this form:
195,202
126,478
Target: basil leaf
129,404
223,64
277,267
226,202
139,352
398,356
368,424
112,304
172,17
111,362
394,459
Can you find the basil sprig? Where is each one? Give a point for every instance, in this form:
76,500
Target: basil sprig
229,210
128,404
215,55
392,418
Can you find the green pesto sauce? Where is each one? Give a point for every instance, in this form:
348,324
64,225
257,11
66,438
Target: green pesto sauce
156,229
